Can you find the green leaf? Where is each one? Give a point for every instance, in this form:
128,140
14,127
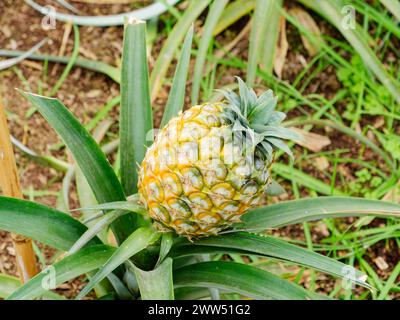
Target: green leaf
118,205
9,284
304,179
97,66
270,36
85,194
264,12
151,11
96,228
177,34
391,281
274,189
135,243
5,64
48,161
191,293
167,241
121,290
177,93
393,6
215,12
41,223
250,244
135,102
309,209
88,155
331,10
232,13
240,278
72,266
156,284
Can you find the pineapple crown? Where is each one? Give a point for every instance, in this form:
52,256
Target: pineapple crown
254,119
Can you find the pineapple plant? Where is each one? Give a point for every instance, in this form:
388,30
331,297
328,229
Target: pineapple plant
203,183
211,164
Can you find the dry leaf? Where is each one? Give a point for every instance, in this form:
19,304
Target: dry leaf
393,195
322,228
311,26
312,141
321,163
282,47
61,52
379,122
381,263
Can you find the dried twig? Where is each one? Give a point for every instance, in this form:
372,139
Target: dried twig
9,182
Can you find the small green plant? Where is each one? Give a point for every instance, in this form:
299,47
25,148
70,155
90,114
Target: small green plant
372,103
180,259
365,182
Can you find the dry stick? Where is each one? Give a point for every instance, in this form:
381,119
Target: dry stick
9,182
67,32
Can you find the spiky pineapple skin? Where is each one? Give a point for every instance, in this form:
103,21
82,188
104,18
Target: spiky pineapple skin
195,180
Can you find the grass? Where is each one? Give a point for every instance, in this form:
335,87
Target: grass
353,110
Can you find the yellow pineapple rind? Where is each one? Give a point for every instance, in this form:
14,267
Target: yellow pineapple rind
186,182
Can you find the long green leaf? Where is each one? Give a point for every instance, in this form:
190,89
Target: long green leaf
393,6
331,10
9,284
270,36
270,247
191,293
97,66
233,12
297,211
135,102
135,243
120,288
156,284
216,9
167,241
146,13
72,266
88,155
166,55
48,161
177,93
240,278
24,55
265,12
41,223
96,228
304,179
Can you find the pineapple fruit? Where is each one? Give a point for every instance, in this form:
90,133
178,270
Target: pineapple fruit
211,163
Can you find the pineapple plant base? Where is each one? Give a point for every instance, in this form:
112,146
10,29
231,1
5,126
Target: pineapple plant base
211,164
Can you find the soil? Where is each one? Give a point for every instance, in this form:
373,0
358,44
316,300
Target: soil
85,92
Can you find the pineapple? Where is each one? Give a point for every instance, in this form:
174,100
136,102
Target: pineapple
211,163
